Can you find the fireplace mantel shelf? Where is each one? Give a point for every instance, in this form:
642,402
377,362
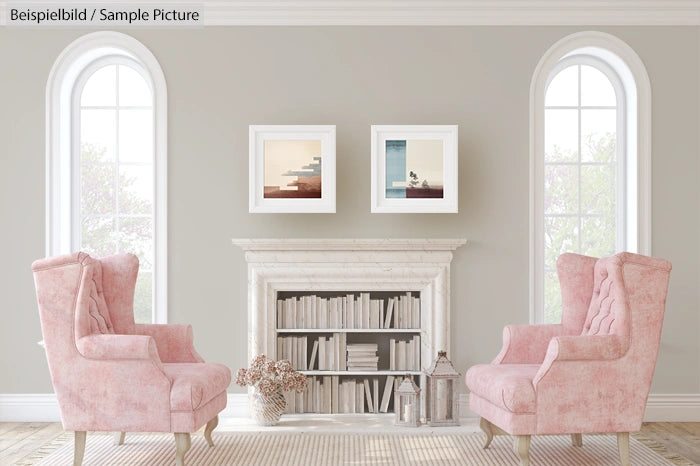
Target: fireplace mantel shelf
343,244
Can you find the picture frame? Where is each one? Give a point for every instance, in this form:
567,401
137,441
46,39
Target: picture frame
414,168
291,168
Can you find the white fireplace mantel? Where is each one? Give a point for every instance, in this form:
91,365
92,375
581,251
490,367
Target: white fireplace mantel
349,265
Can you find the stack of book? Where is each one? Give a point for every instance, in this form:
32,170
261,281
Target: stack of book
362,356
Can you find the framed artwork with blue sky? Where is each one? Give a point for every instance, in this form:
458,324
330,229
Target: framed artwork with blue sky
414,168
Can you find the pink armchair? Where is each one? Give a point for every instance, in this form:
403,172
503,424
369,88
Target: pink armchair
110,374
592,372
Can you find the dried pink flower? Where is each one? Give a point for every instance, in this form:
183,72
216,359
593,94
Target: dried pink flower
269,376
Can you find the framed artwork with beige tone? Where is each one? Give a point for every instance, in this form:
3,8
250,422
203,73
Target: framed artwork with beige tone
414,168
292,168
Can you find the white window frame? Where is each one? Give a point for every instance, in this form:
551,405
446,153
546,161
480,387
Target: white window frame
61,140
620,60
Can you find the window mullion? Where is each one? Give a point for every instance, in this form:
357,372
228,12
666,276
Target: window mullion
580,221
117,226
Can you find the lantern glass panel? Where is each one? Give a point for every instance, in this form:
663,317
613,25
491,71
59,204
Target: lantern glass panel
406,406
444,399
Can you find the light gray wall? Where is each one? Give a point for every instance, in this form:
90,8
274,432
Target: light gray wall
220,80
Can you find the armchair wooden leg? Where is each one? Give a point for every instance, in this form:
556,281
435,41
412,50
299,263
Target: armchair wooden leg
577,440
211,425
78,447
182,444
487,427
119,438
522,448
623,447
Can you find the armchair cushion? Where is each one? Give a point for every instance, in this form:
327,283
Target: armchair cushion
508,386
195,384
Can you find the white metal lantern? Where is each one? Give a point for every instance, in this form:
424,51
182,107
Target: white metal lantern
407,403
441,398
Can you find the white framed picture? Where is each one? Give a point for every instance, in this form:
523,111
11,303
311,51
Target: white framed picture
414,168
292,168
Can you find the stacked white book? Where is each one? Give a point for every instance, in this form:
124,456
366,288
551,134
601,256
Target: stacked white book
404,355
362,356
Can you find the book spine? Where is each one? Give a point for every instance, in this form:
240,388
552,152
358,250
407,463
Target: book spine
322,354
381,313
409,304
334,394
416,313
375,385
392,354
350,310
368,396
330,354
386,397
344,352
280,313
401,365
304,353
416,353
327,394
360,398
389,314
365,311
314,351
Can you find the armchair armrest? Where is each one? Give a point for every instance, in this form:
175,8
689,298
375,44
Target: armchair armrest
118,347
175,342
586,347
526,344
583,349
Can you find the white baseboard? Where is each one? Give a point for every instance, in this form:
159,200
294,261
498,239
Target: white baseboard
673,408
42,407
34,407
238,405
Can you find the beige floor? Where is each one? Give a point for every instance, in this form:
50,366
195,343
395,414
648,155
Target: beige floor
20,439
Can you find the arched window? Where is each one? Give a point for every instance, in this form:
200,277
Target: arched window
106,158
589,99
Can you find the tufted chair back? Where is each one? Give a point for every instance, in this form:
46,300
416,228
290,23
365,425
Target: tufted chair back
608,312
71,305
91,312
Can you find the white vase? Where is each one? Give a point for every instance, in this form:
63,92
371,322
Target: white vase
267,410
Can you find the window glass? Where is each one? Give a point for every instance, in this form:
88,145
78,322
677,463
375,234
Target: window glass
581,172
116,172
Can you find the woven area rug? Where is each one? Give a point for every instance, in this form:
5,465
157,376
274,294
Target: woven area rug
316,449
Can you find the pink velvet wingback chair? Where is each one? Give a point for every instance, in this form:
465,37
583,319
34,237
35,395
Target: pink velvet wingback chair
592,372
110,374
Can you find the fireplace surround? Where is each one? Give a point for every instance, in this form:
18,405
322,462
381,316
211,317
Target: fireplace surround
421,265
